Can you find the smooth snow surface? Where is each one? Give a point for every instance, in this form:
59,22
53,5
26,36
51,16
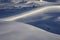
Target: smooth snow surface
22,31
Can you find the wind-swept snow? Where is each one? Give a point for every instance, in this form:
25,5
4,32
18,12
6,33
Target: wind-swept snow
14,4
47,17
32,14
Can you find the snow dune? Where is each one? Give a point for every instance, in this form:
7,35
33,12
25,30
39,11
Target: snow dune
32,13
21,31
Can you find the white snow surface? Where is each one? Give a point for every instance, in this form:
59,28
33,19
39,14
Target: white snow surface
21,31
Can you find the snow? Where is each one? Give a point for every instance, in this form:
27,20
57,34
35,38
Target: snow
33,13
26,3
47,18
43,12
21,31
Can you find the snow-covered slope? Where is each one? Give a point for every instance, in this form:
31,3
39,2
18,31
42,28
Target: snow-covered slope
33,13
21,31
46,18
